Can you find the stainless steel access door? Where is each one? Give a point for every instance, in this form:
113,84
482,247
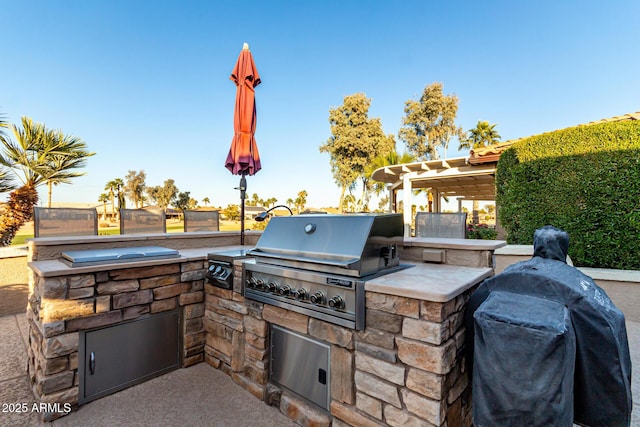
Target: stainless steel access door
301,365
119,356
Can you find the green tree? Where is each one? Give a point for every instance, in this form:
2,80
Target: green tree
38,156
206,201
163,196
231,212
482,135
429,124
183,201
134,187
355,140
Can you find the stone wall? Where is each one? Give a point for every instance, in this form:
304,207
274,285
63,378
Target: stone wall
59,307
405,368
449,256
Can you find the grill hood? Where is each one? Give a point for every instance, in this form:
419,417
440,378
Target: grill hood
354,245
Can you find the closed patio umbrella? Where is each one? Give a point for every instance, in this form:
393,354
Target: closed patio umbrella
243,158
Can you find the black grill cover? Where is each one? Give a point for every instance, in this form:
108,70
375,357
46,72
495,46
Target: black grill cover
523,342
602,389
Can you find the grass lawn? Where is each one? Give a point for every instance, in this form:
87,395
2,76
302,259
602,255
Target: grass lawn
26,232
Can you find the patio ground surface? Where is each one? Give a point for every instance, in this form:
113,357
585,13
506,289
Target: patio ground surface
196,396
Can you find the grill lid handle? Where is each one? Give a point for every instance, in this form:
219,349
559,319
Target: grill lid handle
350,263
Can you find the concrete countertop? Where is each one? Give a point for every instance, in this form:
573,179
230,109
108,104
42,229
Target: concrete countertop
429,282
465,244
55,267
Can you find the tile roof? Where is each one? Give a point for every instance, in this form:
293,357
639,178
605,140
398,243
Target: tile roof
491,153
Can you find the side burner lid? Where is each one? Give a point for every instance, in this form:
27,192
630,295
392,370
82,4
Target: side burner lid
117,255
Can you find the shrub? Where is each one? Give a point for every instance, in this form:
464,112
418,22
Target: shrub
481,231
585,180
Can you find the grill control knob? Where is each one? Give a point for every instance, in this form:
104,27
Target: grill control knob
300,294
336,302
272,287
260,284
251,283
284,290
317,298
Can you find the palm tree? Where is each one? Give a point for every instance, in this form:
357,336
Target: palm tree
66,153
270,202
6,182
482,135
392,158
38,156
24,159
104,198
300,201
206,201
114,187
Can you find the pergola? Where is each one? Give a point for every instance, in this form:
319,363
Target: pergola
464,178
458,178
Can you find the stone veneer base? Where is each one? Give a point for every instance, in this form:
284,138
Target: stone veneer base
60,307
406,367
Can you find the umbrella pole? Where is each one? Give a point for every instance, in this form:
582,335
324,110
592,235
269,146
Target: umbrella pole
243,195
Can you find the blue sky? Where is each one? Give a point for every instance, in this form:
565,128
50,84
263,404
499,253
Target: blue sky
146,83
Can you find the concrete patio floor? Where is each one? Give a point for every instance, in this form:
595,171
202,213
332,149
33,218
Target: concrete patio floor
196,396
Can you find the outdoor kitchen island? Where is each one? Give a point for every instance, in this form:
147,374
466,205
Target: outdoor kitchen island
406,366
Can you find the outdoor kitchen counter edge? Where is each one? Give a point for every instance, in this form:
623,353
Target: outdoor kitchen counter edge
55,267
447,243
429,282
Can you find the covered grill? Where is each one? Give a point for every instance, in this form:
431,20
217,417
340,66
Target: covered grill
317,264
353,245
548,345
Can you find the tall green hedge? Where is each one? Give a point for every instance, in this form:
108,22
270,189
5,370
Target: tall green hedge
585,180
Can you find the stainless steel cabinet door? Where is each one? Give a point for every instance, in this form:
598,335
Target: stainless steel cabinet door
117,357
301,365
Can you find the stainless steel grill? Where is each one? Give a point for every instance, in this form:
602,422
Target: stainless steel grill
317,264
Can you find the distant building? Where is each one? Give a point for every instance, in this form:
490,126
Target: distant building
250,212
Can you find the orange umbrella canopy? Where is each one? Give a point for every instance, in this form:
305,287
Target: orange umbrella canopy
243,158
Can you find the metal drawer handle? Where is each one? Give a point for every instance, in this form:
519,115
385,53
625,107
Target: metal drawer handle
322,376
92,363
